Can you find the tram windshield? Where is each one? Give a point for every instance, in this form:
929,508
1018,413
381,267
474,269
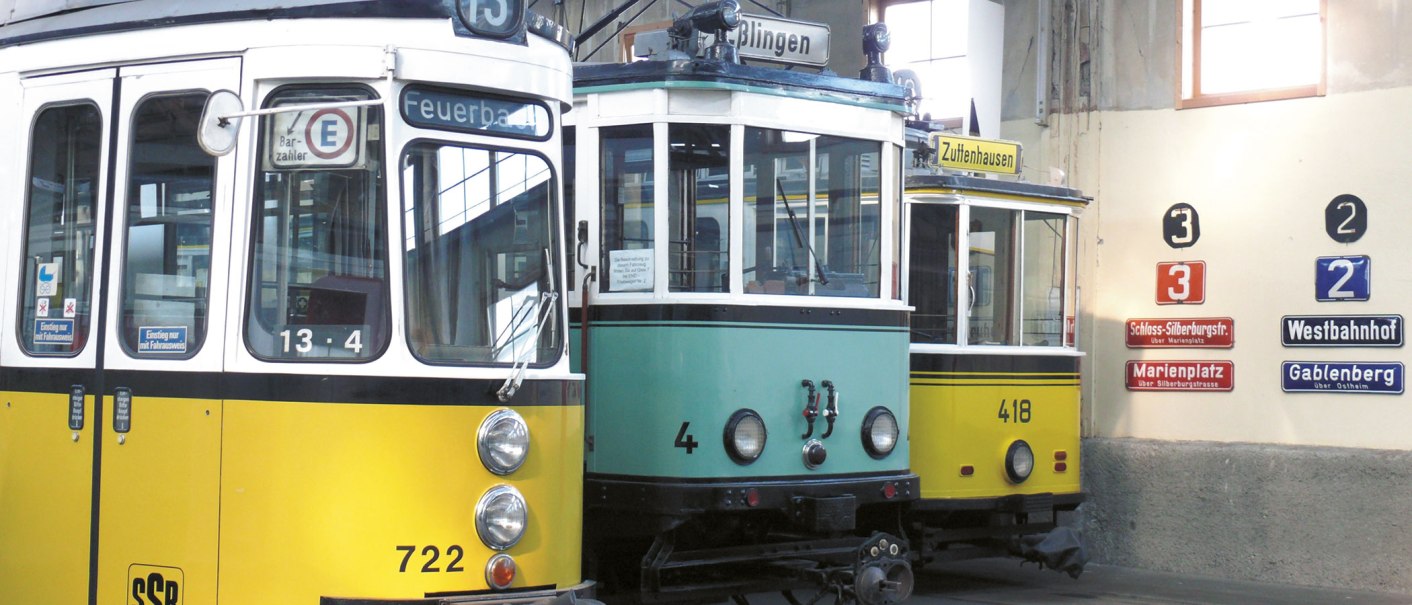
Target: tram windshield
480,255
318,290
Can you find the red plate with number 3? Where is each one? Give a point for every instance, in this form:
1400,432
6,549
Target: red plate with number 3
1181,283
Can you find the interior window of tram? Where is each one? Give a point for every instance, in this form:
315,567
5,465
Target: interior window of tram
931,274
627,201
1042,282
479,227
167,265
698,210
57,266
318,288
992,258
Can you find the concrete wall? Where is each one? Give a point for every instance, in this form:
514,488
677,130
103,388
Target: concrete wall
1255,483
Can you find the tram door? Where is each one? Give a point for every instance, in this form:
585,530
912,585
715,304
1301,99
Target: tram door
111,433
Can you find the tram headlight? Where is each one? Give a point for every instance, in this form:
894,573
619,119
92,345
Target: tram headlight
1019,461
745,436
880,432
503,441
501,517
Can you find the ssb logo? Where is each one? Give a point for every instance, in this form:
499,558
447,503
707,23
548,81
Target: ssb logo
154,585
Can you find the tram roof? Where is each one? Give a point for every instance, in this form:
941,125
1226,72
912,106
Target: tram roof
24,21
995,186
701,73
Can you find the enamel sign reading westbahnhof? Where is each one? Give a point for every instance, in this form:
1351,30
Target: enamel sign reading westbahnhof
1341,330
1193,332
976,155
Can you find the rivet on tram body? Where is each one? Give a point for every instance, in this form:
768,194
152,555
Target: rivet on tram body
122,439
75,437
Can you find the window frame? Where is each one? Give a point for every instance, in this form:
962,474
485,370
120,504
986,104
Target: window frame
1199,99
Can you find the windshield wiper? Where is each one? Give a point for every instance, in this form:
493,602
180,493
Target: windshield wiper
799,238
545,308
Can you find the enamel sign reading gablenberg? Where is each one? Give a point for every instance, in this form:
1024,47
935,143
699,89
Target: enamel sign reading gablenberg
975,155
779,40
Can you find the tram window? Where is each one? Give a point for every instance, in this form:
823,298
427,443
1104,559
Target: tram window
167,265
57,265
570,224
827,245
480,255
992,258
318,286
931,274
698,214
627,200
1042,281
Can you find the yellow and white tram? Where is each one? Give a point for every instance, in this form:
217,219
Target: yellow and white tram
282,321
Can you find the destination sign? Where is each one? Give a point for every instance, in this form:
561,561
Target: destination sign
776,40
445,110
1384,377
1195,332
1341,330
976,155
1180,375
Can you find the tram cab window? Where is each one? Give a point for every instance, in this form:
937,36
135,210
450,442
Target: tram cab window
1016,279
932,273
480,255
627,202
698,216
992,260
1042,283
318,286
167,261
824,242
57,264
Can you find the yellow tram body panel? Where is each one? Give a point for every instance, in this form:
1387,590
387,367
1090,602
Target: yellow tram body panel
297,476
46,489
957,422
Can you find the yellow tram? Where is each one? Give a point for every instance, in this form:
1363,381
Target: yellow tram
995,378
283,321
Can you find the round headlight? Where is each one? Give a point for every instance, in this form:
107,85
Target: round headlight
880,432
500,517
745,436
503,441
1019,461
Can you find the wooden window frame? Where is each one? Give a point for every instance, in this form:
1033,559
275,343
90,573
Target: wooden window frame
1198,99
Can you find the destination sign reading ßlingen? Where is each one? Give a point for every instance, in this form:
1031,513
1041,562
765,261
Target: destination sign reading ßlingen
1341,330
976,155
776,40
446,110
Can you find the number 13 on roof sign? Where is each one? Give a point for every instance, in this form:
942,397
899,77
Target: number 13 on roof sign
1181,283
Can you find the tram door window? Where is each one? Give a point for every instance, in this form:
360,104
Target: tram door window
627,201
931,272
167,265
318,289
698,207
480,260
1042,282
570,223
992,259
58,247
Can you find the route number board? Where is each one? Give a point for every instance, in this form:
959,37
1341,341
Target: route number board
1340,278
1181,283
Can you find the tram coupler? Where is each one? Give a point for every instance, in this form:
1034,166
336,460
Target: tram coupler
882,574
811,407
830,412
1061,549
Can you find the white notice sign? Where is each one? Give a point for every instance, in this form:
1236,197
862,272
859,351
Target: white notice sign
47,279
318,138
629,270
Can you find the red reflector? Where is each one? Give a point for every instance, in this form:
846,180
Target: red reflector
752,497
889,491
501,572
968,470
1060,467
1061,455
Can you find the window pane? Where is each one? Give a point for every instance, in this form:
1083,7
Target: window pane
1272,53
992,255
698,212
318,289
777,212
626,165
570,222
1043,280
57,267
848,233
167,266
480,254
931,274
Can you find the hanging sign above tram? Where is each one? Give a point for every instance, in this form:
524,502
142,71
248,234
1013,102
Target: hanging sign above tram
1194,332
329,137
478,114
975,155
1341,330
777,40
1180,375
